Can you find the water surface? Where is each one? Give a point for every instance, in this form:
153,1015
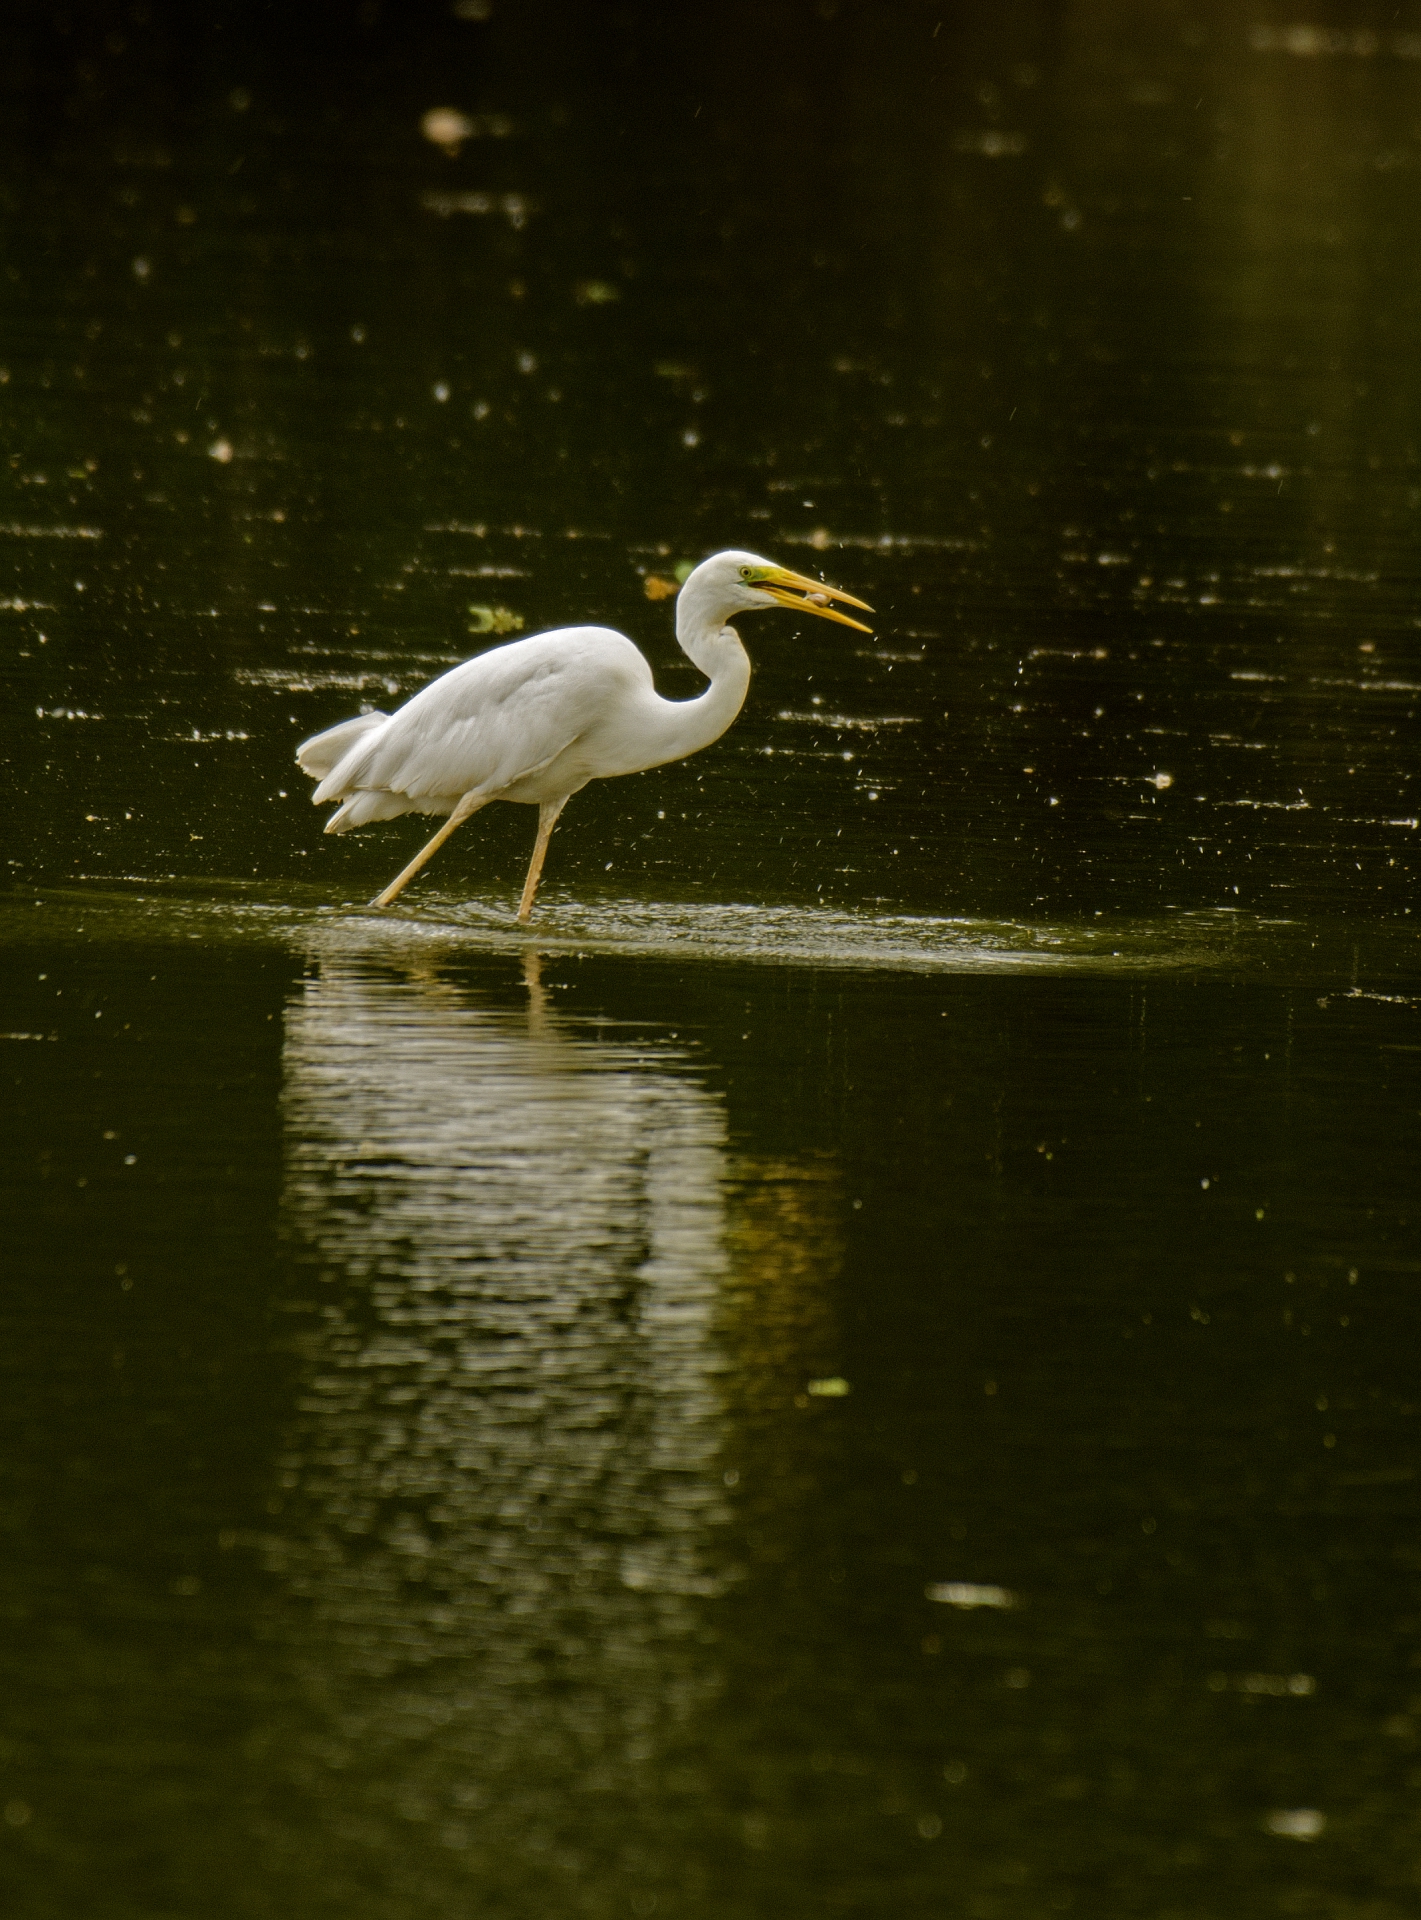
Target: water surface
863,1365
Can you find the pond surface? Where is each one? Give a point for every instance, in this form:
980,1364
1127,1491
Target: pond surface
866,1363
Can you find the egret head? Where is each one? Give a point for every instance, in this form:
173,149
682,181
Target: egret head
736,582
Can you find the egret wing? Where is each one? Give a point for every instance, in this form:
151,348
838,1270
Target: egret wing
494,720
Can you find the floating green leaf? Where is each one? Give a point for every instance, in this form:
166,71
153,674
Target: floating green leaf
495,620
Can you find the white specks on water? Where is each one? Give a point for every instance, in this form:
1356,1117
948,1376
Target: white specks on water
966,1594
1295,1823
17,531
831,1388
1305,41
1265,1686
515,207
847,722
221,451
1276,806
822,538
286,680
446,127
1160,780
991,143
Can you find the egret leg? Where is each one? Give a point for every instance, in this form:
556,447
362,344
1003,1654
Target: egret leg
470,803
548,813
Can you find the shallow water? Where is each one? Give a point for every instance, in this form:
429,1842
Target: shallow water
703,932
865,1363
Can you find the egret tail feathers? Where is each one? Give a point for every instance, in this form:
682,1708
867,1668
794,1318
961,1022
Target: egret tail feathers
323,752
377,803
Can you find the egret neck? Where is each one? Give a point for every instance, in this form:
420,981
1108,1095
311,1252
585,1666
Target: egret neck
689,725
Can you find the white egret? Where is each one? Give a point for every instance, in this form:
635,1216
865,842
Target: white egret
535,720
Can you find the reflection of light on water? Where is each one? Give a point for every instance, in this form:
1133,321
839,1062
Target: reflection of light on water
502,1500
833,937
968,1595
1296,1823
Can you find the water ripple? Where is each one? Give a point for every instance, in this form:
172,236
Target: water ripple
742,932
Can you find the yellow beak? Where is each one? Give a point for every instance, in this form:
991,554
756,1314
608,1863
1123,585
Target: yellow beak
811,596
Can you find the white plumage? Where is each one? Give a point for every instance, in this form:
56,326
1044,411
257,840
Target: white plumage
535,720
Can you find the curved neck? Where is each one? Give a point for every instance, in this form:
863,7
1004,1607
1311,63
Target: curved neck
670,729
716,650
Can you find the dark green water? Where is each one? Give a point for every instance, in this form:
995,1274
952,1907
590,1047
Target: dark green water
867,1365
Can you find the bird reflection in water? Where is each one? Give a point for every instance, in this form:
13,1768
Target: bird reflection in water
504,1498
